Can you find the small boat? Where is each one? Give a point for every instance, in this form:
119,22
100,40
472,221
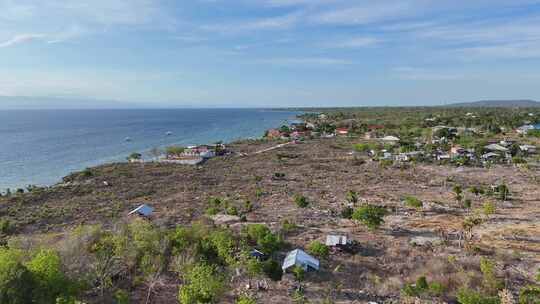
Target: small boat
128,139
169,133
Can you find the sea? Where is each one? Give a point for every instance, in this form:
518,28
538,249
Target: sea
39,147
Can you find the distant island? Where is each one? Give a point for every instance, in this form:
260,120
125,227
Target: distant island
518,103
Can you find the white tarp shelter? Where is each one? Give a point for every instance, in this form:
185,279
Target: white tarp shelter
298,257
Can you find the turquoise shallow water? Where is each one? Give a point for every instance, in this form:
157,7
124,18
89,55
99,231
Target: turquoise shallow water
40,147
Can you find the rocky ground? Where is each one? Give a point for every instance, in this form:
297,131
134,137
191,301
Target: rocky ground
323,170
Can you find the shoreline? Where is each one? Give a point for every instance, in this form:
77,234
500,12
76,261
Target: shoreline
120,159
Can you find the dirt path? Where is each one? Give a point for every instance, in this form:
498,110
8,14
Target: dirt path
273,148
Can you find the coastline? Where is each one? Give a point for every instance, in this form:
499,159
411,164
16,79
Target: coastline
87,148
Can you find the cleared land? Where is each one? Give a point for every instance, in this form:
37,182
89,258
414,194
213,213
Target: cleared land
323,170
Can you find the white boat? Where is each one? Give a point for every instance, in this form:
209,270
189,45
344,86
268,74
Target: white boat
128,139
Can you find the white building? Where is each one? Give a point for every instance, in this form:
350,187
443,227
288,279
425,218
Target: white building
299,258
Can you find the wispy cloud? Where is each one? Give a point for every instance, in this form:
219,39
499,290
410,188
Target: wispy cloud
309,62
416,73
21,38
272,23
355,42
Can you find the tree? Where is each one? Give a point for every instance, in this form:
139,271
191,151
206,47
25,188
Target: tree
16,281
503,191
370,215
135,156
458,191
202,284
51,283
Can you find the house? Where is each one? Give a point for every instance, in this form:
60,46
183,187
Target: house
203,151
528,149
375,127
310,126
337,240
273,134
443,156
299,258
402,157
298,126
342,131
457,150
143,210
386,156
391,139
490,156
496,147
524,129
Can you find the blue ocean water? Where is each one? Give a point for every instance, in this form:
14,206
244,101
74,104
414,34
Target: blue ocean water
39,147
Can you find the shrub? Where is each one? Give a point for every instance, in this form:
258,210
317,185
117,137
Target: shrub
301,201
232,210
46,268
121,296
263,237
299,273
347,212
370,215
5,226
246,300
212,211
413,202
529,295
352,197
273,270
490,281
318,249
288,226
436,289
16,281
488,208
467,204
468,296
203,284
224,244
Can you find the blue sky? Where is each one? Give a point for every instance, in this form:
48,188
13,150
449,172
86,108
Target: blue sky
271,52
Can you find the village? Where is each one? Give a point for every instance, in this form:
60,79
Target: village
339,207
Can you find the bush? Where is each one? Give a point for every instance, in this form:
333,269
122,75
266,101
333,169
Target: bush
273,270
203,284
174,150
121,296
370,215
16,281
352,197
488,208
288,226
347,212
299,273
46,268
246,300
319,249
301,201
262,236
529,295
5,226
468,296
413,202
212,211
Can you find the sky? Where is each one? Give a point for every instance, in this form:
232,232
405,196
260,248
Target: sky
261,53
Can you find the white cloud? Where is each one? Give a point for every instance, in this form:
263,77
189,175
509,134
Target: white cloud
21,38
272,23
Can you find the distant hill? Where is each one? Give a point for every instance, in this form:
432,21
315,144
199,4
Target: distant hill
497,104
32,103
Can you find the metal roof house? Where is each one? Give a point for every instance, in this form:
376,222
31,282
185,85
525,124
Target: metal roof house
143,210
298,257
